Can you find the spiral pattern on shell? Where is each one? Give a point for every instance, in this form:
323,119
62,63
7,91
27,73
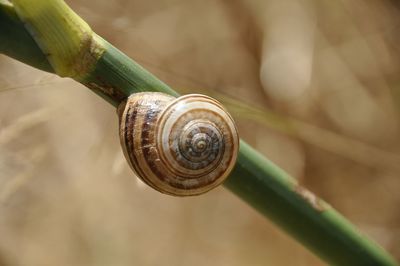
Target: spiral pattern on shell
179,146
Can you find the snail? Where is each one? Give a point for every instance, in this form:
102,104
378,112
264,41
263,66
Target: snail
179,146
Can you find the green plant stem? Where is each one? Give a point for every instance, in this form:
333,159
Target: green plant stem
16,42
116,76
263,185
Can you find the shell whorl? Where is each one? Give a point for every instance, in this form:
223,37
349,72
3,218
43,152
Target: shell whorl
180,146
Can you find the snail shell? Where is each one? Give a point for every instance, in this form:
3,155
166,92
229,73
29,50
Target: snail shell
179,146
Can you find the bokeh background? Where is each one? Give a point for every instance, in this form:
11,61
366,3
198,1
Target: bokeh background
313,84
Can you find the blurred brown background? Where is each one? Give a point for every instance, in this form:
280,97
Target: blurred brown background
330,69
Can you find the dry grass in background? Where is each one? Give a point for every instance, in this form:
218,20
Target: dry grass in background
329,68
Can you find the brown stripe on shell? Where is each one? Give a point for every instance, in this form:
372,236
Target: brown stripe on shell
148,141
128,134
145,150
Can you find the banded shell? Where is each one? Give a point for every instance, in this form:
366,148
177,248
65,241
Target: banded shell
179,146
